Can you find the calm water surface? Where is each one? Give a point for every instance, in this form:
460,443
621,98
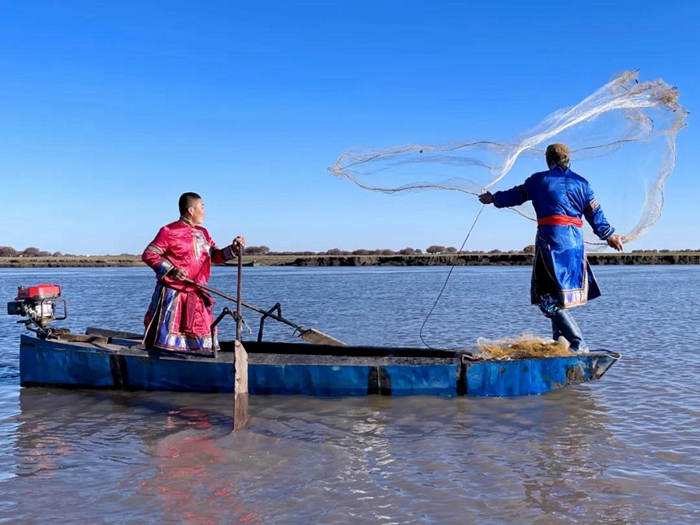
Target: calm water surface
622,450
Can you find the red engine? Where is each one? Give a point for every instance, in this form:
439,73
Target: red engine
39,292
38,305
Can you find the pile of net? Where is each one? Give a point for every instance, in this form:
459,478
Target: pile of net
622,139
523,347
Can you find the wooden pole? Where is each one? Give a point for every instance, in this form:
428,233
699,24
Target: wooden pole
240,361
239,324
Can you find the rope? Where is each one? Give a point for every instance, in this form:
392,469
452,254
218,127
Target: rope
448,278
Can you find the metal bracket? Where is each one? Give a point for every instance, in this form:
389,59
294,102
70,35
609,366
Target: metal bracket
278,308
226,311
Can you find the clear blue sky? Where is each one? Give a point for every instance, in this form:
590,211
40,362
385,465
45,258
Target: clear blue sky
110,110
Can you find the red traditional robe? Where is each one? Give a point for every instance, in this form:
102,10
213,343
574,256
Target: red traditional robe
179,317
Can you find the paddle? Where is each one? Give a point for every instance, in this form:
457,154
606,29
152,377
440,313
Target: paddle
239,319
240,361
307,334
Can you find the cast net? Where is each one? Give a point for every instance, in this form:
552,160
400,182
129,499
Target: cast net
622,139
523,347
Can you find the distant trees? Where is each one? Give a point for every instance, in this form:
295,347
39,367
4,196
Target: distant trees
433,249
686,250
436,248
32,251
9,251
256,250
386,252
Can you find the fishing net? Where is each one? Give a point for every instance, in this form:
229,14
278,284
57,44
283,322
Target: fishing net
523,347
622,139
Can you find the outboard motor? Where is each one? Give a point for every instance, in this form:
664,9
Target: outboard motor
38,305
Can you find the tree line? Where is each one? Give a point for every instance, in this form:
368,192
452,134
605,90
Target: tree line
9,251
434,249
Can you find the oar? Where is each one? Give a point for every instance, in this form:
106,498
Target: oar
307,334
239,319
240,361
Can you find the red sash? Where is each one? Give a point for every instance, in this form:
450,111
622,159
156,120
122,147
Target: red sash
560,220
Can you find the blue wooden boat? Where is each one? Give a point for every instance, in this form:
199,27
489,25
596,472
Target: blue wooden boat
111,359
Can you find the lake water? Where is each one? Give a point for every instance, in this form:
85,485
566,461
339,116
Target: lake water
622,450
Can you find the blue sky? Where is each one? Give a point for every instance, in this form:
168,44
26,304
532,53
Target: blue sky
110,110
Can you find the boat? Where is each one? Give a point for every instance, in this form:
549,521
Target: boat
250,264
104,358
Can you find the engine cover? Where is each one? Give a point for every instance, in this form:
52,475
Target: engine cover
39,292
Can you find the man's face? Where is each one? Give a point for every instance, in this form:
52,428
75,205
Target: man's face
197,212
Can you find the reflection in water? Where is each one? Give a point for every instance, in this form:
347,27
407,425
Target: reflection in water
565,460
183,479
149,452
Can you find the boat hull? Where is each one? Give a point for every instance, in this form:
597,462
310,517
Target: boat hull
297,369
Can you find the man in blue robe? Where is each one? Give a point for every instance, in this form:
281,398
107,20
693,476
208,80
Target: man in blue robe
561,275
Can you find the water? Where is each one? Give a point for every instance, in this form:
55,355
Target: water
623,450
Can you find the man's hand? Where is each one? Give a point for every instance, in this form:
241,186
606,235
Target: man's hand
179,274
238,244
615,241
486,198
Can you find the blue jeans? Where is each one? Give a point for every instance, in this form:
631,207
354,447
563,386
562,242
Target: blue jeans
563,324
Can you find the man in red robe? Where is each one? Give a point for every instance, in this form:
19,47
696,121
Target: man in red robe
179,317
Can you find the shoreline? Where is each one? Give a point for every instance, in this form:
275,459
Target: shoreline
466,259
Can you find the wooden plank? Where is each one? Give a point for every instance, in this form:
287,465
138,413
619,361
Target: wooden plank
102,332
240,396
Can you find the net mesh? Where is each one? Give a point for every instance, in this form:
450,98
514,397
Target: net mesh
523,347
622,139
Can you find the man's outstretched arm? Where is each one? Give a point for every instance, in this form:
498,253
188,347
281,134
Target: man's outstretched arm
505,199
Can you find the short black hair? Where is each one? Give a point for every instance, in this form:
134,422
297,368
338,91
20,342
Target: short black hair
187,200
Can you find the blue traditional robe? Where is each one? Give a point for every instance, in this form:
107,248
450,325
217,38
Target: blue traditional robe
560,270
